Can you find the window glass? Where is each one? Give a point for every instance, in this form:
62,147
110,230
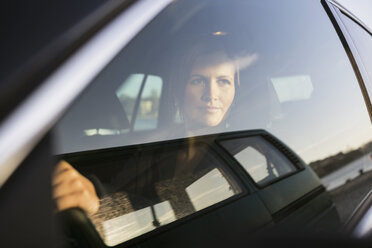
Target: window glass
292,88
209,189
131,225
128,93
263,162
144,113
210,67
363,42
147,114
156,188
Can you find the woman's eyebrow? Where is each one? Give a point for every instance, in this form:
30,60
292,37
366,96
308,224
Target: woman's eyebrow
225,76
197,75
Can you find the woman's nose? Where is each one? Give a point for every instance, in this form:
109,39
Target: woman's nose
210,91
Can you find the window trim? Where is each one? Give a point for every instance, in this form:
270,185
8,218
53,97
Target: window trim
350,15
35,116
284,150
333,11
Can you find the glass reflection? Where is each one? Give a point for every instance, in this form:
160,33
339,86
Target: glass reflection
279,69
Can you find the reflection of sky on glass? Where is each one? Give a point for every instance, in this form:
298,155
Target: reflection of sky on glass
209,189
128,226
164,213
122,228
363,42
284,40
304,43
293,88
254,162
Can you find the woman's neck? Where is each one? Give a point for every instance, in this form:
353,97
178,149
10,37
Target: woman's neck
203,130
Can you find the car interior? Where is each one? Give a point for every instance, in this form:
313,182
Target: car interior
125,132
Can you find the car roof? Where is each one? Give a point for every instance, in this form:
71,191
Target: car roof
38,36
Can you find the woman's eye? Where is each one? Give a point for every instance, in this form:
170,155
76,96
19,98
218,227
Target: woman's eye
197,81
224,81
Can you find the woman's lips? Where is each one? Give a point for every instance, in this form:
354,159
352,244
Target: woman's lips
210,109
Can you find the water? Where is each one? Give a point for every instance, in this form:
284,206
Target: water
348,172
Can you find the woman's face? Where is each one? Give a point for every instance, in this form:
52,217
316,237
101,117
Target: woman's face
209,92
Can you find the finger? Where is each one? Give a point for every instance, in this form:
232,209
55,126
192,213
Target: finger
65,176
61,167
71,185
89,203
78,199
89,185
68,187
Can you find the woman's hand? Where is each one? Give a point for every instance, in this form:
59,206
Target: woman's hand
71,189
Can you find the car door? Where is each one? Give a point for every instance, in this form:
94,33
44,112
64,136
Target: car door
296,81
153,198
287,186
26,158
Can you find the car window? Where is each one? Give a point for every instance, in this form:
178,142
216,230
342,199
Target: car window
263,162
155,187
128,92
139,96
363,42
213,67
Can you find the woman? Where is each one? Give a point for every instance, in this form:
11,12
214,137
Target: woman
206,82
204,103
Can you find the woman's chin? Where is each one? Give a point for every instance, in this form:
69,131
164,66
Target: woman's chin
212,122
206,123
